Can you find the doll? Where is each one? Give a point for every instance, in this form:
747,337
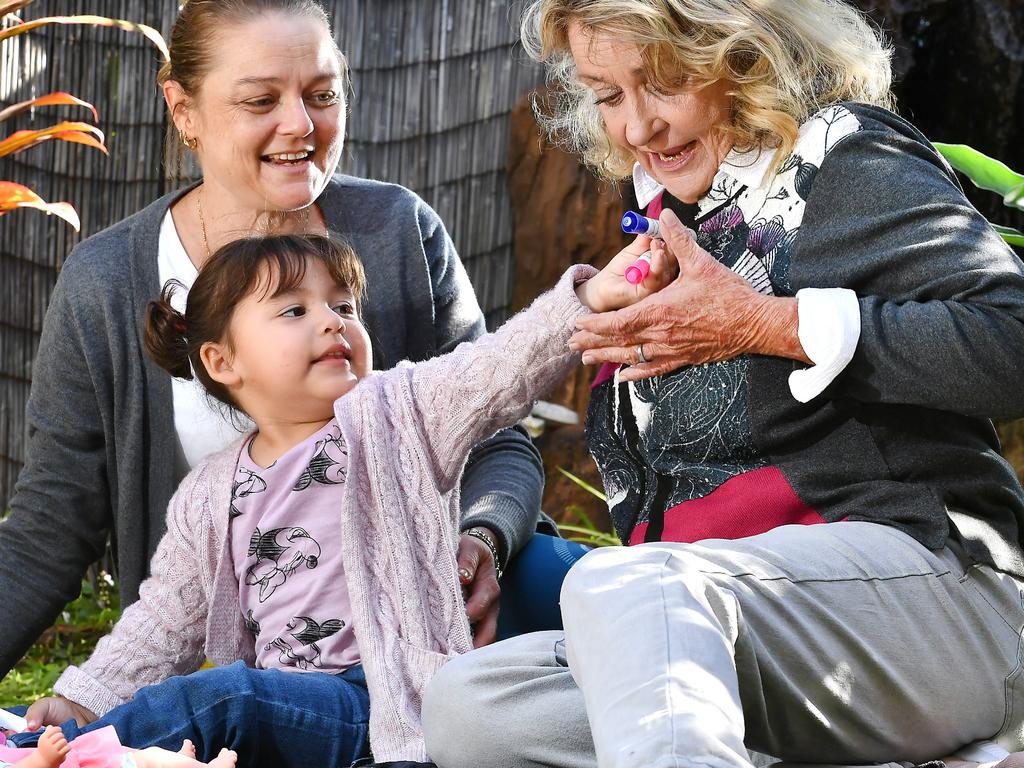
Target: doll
102,749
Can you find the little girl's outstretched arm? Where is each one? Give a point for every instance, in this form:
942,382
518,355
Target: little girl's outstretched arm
409,432
470,393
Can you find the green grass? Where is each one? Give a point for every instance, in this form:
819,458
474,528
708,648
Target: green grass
583,530
69,641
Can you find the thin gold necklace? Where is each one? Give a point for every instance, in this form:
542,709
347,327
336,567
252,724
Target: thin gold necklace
202,221
303,224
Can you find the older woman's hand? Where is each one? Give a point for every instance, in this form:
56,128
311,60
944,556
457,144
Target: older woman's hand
708,313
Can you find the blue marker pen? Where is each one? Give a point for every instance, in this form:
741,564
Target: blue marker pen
635,224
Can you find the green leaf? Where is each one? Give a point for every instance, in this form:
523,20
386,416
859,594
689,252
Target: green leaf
587,536
1010,235
983,171
1015,198
584,485
582,516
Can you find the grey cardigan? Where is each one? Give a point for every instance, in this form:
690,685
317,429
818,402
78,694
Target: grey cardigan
101,452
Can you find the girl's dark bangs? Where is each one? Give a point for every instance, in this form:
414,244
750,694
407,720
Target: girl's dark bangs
285,269
345,271
273,266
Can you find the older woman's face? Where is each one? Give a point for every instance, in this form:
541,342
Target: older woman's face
677,137
270,113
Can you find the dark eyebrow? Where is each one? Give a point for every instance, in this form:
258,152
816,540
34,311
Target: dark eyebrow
296,293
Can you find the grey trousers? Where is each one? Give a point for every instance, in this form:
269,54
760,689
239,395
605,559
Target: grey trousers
847,643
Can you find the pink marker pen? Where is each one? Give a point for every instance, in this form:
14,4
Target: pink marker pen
639,269
635,224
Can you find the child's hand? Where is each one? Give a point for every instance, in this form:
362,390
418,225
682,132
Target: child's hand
55,710
53,747
609,289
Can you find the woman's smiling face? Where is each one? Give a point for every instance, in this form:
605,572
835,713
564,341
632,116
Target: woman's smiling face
270,113
680,137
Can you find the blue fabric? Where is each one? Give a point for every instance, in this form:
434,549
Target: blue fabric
532,583
268,716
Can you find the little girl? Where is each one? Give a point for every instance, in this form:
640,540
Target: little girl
326,538
101,749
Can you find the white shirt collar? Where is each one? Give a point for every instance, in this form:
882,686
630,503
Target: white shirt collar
747,167
645,186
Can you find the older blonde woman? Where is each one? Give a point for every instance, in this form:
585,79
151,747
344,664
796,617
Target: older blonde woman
829,565
256,90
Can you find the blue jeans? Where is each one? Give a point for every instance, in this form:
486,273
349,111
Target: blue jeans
532,583
301,719
270,717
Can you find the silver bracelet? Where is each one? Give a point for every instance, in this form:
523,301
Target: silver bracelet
491,547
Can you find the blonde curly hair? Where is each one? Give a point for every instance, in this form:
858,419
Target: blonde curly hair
784,59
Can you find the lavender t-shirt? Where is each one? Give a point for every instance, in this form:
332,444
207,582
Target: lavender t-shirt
286,548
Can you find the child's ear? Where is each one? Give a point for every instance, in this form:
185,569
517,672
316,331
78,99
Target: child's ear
218,362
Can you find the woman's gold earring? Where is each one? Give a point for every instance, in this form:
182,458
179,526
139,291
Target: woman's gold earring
189,141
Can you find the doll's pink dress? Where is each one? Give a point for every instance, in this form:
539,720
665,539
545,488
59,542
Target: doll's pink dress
96,749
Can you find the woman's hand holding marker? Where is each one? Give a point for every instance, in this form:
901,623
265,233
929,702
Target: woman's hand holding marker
12,722
54,710
708,313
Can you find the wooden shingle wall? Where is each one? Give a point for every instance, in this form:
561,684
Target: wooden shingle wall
433,84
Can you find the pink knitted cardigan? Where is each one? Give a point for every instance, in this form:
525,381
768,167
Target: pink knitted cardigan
408,432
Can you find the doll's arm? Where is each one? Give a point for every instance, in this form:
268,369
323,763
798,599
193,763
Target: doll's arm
50,753
155,757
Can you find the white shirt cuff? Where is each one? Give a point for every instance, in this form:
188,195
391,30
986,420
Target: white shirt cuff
828,326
